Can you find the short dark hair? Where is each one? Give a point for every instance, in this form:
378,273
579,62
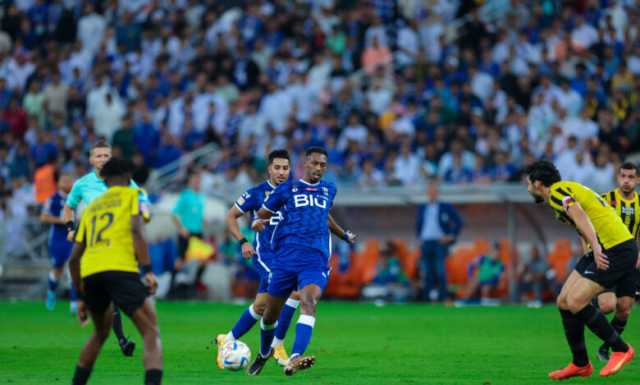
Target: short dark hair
116,167
100,143
316,150
629,166
544,171
279,154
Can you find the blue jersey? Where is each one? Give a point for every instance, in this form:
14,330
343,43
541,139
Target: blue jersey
305,224
250,202
58,233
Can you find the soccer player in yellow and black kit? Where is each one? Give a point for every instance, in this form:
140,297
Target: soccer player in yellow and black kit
610,263
109,253
626,201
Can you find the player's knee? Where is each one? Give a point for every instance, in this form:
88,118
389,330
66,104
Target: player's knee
606,306
574,304
295,295
259,308
269,315
623,309
561,301
308,305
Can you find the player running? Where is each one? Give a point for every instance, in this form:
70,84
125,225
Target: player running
85,190
250,202
58,245
626,202
611,262
302,245
105,265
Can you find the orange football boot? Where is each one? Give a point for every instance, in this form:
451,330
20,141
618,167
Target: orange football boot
571,371
617,361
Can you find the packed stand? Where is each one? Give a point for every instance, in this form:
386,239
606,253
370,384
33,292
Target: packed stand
397,91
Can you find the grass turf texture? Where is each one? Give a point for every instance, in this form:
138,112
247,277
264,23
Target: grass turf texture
353,343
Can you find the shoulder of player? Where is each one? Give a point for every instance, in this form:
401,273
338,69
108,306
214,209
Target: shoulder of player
286,186
120,191
259,189
83,180
332,185
565,188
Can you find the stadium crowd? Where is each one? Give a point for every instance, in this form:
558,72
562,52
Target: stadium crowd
398,91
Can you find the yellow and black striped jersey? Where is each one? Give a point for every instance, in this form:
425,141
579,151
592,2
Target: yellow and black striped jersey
105,229
628,209
610,229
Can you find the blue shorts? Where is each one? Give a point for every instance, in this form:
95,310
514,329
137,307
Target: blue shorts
284,282
60,253
264,271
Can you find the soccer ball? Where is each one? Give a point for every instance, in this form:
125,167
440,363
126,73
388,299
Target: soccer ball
236,355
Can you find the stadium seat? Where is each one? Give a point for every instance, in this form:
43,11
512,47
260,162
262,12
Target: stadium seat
348,285
560,256
408,258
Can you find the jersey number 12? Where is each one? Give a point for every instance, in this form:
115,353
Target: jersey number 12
94,222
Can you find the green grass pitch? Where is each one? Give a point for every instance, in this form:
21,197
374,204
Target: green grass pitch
353,343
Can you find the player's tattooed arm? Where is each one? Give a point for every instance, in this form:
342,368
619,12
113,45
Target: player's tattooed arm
584,225
340,232
232,224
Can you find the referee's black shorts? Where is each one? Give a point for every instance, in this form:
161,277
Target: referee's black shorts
621,275
124,289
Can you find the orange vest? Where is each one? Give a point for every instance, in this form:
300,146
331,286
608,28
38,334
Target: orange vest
45,183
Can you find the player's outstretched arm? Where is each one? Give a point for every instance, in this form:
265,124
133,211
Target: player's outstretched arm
584,225
232,224
340,232
142,253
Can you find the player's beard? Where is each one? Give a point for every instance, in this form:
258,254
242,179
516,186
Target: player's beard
626,190
537,198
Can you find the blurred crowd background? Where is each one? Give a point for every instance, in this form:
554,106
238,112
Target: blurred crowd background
398,91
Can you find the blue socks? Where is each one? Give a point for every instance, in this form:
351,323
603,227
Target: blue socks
304,329
244,324
286,314
266,337
52,282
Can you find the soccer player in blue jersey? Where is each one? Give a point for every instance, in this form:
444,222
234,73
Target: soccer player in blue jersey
302,245
250,202
85,190
58,245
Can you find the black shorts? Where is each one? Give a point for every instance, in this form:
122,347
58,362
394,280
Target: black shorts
124,289
624,293
621,276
